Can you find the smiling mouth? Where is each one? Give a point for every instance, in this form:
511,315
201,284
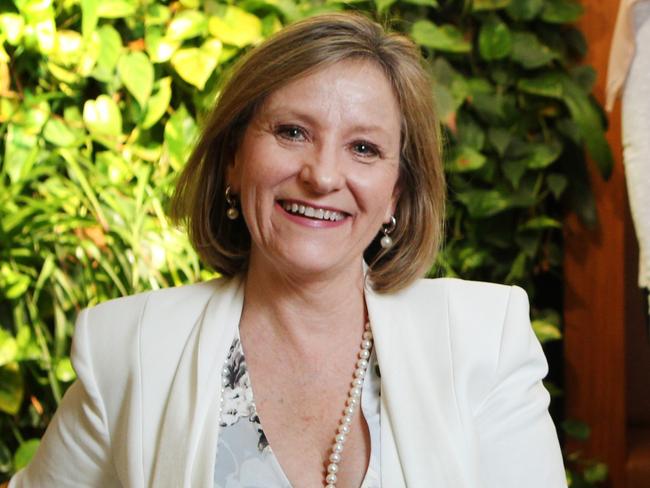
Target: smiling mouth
312,212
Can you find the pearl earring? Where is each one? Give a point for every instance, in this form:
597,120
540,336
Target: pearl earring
232,213
387,241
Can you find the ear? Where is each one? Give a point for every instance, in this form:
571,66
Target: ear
394,199
233,174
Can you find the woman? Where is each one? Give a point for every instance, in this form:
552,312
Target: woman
323,149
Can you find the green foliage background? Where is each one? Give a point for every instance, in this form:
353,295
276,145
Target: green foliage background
99,104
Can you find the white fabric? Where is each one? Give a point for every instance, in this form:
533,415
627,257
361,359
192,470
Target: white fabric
636,139
462,402
621,51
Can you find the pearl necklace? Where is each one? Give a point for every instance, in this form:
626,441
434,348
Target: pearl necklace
353,401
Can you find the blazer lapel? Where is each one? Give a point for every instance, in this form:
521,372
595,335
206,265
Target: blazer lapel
189,429
420,425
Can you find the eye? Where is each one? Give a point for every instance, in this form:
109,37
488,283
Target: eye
366,149
291,132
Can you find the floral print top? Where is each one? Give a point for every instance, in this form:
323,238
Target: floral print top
245,458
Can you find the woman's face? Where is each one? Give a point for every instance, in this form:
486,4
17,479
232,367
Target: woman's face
317,169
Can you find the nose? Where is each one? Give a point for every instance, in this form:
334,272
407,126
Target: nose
322,172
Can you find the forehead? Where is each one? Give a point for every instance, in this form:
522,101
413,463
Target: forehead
347,92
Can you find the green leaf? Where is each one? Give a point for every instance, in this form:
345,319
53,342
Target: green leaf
180,132
596,473
109,53
194,65
64,370
116,9
157,14
545,85
89,17
445,104
191,3
517,270
12,27
561,11
136,72
443,38
236,27
383,5
524,9
528,51
557,183
590,122
576,429
494,40
465,158
8,347
542,222
21,150
489,4
11,388
158,103
57,132
585,76
500,139
514,170
484,203
159,47
423,3
187,24
25,453
102,117
28,349
543,154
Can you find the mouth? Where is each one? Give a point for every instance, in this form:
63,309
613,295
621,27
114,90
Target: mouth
316,213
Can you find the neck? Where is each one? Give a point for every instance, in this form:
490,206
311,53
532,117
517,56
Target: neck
304,311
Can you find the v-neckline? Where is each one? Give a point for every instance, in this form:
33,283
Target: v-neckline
238,378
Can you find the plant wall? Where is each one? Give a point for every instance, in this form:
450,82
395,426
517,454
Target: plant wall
99,104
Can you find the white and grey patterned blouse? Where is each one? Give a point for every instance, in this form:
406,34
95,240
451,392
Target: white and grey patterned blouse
245,458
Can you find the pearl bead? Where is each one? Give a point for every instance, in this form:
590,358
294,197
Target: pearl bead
346,419
352,401
355,392
337,447
362,363
333,468
232,213
386,242
329,485
335,457
357,381
364,354
349,410
359,372
341,438
331,478
366,344
367,335
344,428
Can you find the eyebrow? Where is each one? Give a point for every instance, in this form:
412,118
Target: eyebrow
289,112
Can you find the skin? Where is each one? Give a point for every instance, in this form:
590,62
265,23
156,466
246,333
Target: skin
332,140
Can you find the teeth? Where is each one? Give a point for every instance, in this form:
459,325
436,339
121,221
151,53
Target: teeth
311,212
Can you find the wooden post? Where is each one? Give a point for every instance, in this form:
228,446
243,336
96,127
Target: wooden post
603,307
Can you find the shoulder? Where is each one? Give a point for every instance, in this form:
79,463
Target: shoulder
477,323
121,327
465,300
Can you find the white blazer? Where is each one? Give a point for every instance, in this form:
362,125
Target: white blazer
462,402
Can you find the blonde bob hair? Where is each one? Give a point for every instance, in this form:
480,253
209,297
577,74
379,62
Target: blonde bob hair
296,51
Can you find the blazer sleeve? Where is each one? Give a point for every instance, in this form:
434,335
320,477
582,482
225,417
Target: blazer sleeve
517,439
75,450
